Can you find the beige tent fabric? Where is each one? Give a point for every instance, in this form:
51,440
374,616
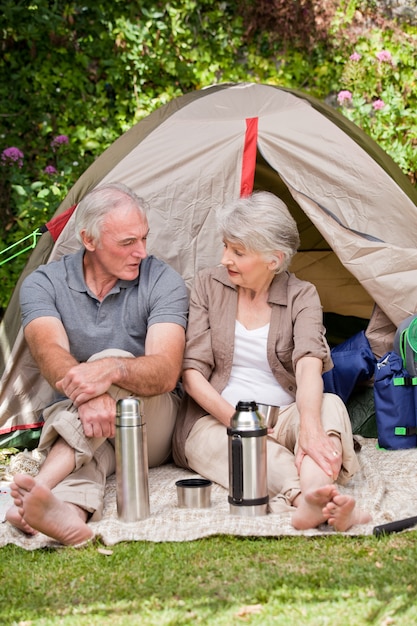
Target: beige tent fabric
380,333
191,164
385,486
23,392
339,291
358,226
388,272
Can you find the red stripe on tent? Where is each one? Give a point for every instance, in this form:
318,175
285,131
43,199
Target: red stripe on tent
249,156
13,429
56,224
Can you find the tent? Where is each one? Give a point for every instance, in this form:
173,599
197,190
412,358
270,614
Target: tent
356,211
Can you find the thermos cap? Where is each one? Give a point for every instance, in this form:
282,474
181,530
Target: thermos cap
247,416
246,405
128,412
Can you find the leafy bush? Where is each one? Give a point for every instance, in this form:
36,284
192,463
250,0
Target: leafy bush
379,93
31,202
298,25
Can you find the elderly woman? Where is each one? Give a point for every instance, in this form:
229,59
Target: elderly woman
255,332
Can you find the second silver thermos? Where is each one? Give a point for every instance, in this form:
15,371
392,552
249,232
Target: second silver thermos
131,462
248,490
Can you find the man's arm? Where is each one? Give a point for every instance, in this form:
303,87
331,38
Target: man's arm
154,373
48,343
49,346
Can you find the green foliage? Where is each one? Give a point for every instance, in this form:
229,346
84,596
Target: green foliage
32,202
91,70
379,93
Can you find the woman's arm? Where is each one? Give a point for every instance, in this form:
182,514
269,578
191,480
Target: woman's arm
206,396
203,357
313,441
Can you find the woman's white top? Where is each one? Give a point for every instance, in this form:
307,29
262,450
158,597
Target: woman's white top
251,377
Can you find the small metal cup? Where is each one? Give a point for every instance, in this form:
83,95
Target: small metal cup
270,413
194,493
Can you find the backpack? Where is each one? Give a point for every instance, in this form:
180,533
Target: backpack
395,403
405,343
353,363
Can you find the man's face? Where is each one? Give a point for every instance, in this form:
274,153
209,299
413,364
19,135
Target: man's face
122,244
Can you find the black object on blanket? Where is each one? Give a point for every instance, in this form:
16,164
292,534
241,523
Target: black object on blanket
395,527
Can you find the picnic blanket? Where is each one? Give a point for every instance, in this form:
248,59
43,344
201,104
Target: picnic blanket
385,486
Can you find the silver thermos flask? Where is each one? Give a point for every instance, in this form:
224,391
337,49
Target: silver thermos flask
132,486
248,490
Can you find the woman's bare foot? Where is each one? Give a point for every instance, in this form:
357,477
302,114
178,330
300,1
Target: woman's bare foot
42,511
342,514
309,513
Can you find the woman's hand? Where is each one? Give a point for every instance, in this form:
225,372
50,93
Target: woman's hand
324,449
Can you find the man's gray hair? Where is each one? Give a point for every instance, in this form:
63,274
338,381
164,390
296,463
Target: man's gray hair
260,223
94,207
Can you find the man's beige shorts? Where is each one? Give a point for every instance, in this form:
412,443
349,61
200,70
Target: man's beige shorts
94,457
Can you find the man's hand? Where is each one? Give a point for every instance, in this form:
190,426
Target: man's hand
86,381
98,416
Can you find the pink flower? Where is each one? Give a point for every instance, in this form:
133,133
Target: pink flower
344,96
12,155
384,56
51,170
59,140
355,56
378,105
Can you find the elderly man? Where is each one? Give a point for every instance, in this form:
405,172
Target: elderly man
103,323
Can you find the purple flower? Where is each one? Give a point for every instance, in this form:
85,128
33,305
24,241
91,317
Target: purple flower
384,56
51,170
378,105
12,155
59,140
355,56
344,96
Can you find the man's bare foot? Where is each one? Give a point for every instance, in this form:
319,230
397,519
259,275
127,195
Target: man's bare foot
13,517
309,513
42,511
342,514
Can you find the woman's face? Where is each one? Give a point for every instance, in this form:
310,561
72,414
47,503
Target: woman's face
246,268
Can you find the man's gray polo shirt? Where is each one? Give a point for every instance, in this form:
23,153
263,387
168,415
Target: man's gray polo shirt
121,320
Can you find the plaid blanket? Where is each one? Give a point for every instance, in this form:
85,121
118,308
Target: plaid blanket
385,486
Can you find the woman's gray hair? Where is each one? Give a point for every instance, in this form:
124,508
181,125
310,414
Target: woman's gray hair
260,223
94,207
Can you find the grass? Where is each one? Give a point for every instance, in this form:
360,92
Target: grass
225,581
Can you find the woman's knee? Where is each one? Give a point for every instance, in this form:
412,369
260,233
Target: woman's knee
335,417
